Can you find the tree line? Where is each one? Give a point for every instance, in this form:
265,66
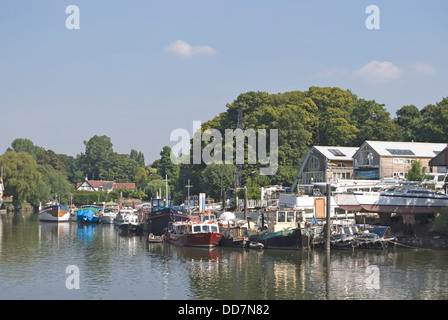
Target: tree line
318,116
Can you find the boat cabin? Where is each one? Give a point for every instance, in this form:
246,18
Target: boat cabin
280,220
183,228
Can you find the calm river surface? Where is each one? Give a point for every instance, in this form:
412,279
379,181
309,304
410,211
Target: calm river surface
34,257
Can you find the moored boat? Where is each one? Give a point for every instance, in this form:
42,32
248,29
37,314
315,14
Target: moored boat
402,199
194,234
56,213
89,214
379,237
130,223
284,231
161,215
234,236
122,214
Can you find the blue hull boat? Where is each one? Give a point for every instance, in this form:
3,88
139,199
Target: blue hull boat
88,215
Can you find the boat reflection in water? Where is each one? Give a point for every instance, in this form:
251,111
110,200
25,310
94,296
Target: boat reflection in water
86,232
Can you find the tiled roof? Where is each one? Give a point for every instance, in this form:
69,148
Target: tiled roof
127,185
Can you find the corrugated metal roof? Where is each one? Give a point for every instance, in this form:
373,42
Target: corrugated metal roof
407,149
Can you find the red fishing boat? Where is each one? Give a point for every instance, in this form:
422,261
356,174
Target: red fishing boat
194,234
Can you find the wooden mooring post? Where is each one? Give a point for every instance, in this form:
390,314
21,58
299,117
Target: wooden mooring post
328,220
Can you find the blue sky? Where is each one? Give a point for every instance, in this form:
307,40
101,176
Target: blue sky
136,70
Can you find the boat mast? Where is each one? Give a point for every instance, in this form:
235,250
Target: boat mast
166,189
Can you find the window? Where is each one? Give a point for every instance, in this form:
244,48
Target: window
196,229
214,229
314,163
342,175
341,165
403,161
205,228
290,217
365,157
281,217
400,175
310,177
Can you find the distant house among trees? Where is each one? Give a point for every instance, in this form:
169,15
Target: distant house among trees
100,185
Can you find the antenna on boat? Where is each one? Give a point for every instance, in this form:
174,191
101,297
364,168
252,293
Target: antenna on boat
188,197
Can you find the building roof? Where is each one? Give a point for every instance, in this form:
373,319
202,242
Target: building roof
107,185
406,149
127,185
337,153
441,159
93,183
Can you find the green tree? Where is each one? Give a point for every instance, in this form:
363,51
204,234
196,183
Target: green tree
215,175
154,186
416,172
24,145
141,179
49,157
20,174
118,167
98,155
167,167
138,157
52,185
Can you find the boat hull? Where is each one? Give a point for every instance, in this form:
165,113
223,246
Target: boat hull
203,239
108,219
348,202
158,220
283,240
372,202
55,214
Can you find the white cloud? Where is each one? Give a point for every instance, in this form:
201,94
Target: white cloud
378,72
424,69
182,48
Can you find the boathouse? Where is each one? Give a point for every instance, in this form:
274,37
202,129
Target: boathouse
392,159
328,164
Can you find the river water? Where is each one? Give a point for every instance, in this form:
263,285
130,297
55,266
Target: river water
65,261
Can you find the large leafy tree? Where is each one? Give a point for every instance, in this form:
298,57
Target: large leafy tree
98,155
20,174
24,145
216,175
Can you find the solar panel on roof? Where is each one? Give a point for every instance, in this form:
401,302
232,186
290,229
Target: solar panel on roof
401,152
337,152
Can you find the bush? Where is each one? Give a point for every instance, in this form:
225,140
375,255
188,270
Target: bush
441,222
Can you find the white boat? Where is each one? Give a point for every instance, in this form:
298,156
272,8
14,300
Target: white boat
2,188
130,222
122,213
56,213
402,199
109,216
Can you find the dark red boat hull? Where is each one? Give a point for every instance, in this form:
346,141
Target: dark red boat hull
204,239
